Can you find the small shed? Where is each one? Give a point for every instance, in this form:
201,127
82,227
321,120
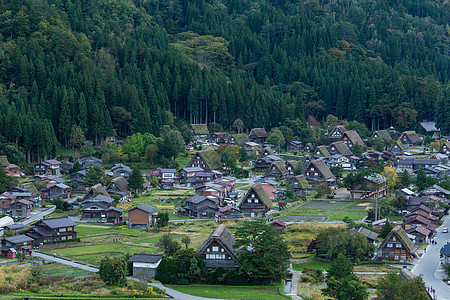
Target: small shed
144,265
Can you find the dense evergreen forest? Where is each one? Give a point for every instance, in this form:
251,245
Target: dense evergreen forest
133,66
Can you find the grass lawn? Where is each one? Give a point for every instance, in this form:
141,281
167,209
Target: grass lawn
232,292
311,264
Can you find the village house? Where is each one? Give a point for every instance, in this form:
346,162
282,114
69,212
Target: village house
119,187
208,160
145,265
258,135
421,233
256,203
294,146
200,206
318,172
12,170
263,163
5,201
436,190
299,185
270,187
429,128
370,235
446,253
321,152
219,137
21,209
16,244
56,191
186,173
199,131
336,134
48,167
278,225
142,216
238,139
418,220
66,166
410,138
252,148
381,134
351,138
16,228
100,208
228,212
90,161
78,181
308,147
445,148
397,147
51,230
120,170
277,170
291,166
95,190
338,160
218,249
339,148
397,246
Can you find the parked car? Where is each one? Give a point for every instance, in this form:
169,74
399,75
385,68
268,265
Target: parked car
444,230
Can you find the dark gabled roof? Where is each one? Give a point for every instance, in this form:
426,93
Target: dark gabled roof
144,207
211,158
418,218
320,165
258,132
412,136
429,126
192,169
323,151
56,178
382,134
399,144
364,231
436,187
121,184
279,166
115,209
59,222
201,129
241,139
354,137
51,162
342,148
261,193
121,166
167,170
15,226
424,208
90,158
420,229
21,238
145,258
196,199
99,198
222,235
301,181
401,235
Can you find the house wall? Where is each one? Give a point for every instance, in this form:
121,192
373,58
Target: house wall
139,217
5,204
392,252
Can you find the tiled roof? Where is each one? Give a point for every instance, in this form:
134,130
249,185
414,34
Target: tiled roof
364,231
19,239
419,229
144,207
59,222
145,258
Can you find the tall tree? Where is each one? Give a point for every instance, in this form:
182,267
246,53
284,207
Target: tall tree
136,181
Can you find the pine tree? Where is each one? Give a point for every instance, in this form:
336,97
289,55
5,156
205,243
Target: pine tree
65,119
136,181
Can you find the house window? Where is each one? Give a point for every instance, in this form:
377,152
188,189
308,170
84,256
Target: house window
394,238
215,249
207,250
396,257
256,200
222,250
389,245
399,245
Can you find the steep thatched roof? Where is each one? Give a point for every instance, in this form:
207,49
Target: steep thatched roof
412,136
222,235
200,129
241,139
211,158
324,152
354,137
382,134
403,237
399,144
342,148
260,192
301,181
258,132
280,167
320,165
120,184
4,161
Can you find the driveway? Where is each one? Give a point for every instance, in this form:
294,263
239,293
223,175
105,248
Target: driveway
429,264
38,216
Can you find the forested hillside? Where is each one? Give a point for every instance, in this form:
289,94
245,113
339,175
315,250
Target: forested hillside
109,65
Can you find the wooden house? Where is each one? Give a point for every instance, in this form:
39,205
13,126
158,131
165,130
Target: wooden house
372,186
258,135
277,170
381,134
16,228
321,152
339,148
219,137
291,166
97,208
336,134
48,167
51,230
397,147
263,163
299,185
66,166
238,139
6,199
208,160
309,147
19,243
256,203
200,206
294,146
410,138
78,180
186,173
445,148
90,161
95,190
218,249
421,233
12,170
418,220
351,138
120,170
21,209
436,190
119,187
228,212
318,172
397,246
370,235
279,225
145,265
56,191
142,216
199,131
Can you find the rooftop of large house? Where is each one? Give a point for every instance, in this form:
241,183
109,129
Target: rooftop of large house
59,222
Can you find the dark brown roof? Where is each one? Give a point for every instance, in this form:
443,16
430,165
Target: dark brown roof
220,234
323,151
398,230
382,134
258,132
342,148
354,137
412,136
320,165
145,258
144,207
280,167
120,183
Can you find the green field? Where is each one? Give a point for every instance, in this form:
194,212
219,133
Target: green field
232,292
100,240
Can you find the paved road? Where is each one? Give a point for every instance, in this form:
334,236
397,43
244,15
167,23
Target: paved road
38,216
429,264
170,292
294,288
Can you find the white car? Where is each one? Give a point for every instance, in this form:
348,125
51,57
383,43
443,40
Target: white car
444,230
